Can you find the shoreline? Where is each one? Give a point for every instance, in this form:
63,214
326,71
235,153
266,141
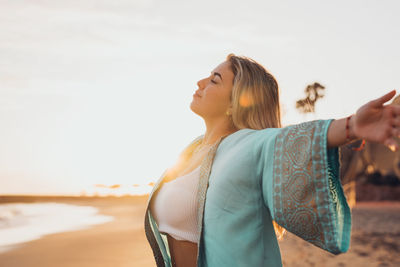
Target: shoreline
45,198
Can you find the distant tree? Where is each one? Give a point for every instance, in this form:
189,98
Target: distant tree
313,92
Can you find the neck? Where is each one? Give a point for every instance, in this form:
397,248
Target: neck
217,128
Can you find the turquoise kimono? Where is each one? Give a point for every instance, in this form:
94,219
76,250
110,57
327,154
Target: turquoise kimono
252,177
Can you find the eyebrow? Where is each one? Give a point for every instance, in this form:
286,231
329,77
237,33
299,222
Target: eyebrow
218,74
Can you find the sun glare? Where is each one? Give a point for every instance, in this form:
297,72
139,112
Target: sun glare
246,100
117,190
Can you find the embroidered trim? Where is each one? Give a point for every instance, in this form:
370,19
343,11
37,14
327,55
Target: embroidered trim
202,190
303,189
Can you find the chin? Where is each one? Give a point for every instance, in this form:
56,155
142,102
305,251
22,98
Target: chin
194,109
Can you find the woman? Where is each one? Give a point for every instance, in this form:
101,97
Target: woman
233,189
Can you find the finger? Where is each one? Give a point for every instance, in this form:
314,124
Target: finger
396,132
391,144
396,110
383,99
395,121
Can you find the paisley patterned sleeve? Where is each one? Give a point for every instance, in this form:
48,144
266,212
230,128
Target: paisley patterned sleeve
303,192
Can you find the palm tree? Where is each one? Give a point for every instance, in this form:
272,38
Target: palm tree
313,92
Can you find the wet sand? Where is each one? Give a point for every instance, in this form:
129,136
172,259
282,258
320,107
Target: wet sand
122,242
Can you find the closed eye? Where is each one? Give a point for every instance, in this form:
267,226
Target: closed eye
213,81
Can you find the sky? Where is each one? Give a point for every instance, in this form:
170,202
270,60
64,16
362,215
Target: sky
98,92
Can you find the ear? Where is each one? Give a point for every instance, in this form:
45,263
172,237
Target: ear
229,111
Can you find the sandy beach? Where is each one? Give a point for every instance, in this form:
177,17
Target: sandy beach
119,243
375,240
122,242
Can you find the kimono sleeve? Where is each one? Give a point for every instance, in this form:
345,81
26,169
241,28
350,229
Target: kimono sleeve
301,186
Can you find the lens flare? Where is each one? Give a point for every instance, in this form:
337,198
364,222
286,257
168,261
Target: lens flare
246,100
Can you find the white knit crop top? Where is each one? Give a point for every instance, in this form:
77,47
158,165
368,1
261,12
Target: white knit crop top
175,207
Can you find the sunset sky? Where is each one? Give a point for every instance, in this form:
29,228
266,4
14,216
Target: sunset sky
98,92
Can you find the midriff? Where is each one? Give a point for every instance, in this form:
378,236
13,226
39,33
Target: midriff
183,253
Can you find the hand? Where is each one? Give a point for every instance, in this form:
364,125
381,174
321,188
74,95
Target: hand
379,123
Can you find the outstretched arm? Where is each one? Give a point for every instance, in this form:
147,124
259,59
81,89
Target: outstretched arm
373,122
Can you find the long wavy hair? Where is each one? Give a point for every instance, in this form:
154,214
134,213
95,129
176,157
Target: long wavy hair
254,100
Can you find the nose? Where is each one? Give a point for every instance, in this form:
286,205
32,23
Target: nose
200,83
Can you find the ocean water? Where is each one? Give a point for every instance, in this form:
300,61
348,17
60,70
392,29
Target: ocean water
22,222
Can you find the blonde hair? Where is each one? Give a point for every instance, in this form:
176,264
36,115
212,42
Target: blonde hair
255,100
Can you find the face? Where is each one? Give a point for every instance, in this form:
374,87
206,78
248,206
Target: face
213,97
